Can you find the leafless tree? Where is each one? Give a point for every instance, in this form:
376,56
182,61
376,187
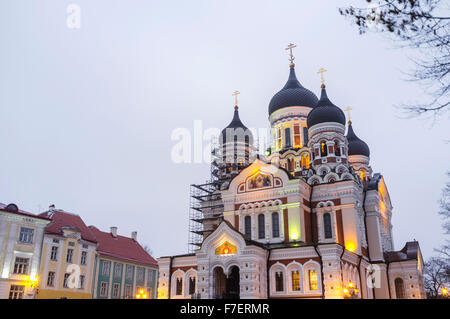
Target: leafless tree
148,249
435,276
420,24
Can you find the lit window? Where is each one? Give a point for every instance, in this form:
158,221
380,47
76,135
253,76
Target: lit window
295,281
323,149
21,266
26,235
312,280
297,140
279,138
305,161
16,292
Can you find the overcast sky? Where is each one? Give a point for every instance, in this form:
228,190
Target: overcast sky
87,114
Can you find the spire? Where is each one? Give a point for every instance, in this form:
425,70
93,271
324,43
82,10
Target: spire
348,109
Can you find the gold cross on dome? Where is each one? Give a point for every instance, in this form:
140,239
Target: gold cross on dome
348,109
291,56
322,71
235,94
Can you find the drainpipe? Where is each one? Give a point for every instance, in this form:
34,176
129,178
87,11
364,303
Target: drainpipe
388,281
367,237
359,272
170,277
268,273
321,271
340,262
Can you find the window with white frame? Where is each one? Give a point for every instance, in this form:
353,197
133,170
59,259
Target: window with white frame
279,281
103,289
128,292
81,283
116,287
129,272
69,256
54,253
105,268
51,279
295,278
21,266
65,281
117,270
16,292
26,235
140,273
83,257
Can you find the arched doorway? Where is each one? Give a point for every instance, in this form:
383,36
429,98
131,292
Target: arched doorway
226,287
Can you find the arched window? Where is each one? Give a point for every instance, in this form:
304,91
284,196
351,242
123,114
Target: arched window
248,226
305,161
287,137
279,138
399,288
295,280
362,174
337,148
297,141
279,281
275,225
192,285
323,149
327,225
312,274
261,226
290,164
179,288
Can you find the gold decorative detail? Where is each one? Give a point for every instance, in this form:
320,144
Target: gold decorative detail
348,109
291,56
235,94
321,72
226,249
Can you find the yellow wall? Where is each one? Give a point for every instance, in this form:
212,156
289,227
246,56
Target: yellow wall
57,294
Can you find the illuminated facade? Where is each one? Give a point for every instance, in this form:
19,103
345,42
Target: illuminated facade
307,220
69,247
21,236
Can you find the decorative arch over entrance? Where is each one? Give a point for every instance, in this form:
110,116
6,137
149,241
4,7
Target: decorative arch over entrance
226,287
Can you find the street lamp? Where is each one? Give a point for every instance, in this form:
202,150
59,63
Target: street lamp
141,294
350,292
444,292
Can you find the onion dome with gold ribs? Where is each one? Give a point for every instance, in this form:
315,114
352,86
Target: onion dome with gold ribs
292,94
356,146
325,111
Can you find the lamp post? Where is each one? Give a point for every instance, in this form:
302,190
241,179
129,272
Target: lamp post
141,294
350,292
444,292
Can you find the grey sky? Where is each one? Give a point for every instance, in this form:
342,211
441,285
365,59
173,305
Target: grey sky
87,114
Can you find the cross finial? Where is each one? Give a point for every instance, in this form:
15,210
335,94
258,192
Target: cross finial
235,94
291,56
321,72
348,109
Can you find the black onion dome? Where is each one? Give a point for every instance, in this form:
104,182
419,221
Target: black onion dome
356,146
292,94
325,111
236,123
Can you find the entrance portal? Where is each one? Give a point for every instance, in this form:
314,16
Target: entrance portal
226,287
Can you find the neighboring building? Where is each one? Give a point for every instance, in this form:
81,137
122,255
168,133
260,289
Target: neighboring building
21,235
69,248
122,267
308,220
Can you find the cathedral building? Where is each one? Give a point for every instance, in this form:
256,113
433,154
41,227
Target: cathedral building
308,219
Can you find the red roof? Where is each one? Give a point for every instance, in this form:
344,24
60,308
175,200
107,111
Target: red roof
121,247
20,212
61,219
